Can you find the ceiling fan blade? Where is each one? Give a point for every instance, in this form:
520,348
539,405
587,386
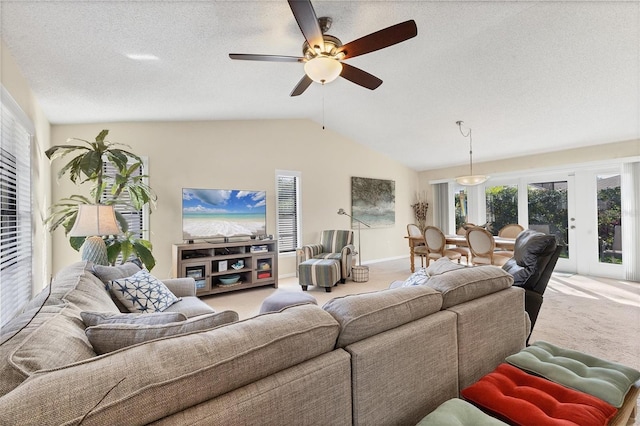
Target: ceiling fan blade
380,39
270,58
301,86
308,22
359,77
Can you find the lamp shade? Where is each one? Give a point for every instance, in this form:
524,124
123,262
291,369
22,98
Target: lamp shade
95,219
471,180
323,69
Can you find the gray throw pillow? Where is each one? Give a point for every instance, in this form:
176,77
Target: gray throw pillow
110,273
111,337
142,292
96,318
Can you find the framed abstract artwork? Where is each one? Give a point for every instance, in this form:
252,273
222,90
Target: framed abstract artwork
373,201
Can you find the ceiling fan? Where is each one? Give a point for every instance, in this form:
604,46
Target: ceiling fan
323,54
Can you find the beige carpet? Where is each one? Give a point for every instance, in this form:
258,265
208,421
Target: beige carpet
594,315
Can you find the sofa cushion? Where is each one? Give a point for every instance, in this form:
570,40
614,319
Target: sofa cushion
364,315
456,412
78,286
142,292
190,307
522,398
51,338
110,273
468,283
442,266
606,380
110,337
167,375
97,318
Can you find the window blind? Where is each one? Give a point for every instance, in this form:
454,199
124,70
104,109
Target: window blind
136,219
15,212
288,220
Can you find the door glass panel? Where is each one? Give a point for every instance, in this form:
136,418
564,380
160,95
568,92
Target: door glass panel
502,206
609,218
460,198
547,205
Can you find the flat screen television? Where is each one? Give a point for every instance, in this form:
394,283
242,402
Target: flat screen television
218,213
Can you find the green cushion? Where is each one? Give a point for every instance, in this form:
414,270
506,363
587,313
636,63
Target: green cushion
603,379
456,412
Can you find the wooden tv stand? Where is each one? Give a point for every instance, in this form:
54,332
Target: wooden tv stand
209,263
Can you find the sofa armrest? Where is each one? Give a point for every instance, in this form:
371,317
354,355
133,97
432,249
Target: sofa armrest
181,287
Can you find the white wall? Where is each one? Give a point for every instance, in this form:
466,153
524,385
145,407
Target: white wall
245,155
14,82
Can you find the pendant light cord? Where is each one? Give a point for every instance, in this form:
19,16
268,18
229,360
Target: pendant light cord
460,123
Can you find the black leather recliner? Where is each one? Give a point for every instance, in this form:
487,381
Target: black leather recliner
534,257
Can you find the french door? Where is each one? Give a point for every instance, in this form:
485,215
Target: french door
582,209
548,205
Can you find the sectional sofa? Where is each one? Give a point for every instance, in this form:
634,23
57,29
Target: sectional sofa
387,357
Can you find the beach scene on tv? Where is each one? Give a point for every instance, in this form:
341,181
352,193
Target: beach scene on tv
215,213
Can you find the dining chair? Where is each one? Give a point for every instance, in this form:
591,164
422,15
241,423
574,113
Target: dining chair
436,245
464,227
510,231
419,249
483,248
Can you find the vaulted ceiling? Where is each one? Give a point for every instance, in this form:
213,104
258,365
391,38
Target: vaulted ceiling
526,76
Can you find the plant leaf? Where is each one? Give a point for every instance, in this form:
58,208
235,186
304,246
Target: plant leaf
113,250
77,242
144,254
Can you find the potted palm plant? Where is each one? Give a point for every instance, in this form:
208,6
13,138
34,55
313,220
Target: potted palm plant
126,188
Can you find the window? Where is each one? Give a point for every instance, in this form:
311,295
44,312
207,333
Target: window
287,208
609,218
136,219
15,209
502,206
460,200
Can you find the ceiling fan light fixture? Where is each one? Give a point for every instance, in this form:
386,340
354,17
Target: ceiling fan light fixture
323,69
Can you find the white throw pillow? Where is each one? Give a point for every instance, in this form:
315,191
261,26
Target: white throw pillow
142,292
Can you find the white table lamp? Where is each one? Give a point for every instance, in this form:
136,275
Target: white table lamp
94,221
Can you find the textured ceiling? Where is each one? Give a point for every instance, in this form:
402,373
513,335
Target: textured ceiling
527,77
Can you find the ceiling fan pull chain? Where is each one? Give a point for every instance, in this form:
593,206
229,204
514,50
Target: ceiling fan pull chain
322,106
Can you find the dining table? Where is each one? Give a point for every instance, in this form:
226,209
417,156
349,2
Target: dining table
457,240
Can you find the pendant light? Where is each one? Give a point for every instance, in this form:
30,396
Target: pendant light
470,179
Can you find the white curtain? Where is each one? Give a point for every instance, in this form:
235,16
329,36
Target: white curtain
441,206
630,200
